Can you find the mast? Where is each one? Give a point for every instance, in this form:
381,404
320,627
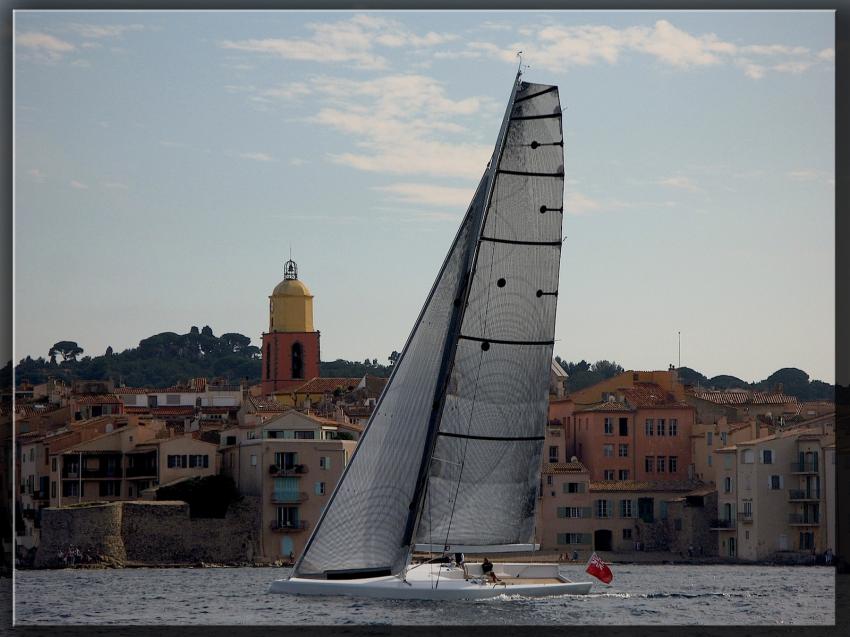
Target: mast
454,331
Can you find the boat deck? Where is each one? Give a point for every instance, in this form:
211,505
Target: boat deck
516,581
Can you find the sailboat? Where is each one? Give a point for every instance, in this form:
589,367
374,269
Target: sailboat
450,458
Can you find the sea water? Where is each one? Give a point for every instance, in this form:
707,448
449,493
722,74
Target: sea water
639,594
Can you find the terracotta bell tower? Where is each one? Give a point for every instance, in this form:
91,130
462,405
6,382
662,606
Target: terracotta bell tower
291,346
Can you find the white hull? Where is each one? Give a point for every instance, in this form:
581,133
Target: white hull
443,583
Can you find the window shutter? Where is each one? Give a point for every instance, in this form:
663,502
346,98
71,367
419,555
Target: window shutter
781,482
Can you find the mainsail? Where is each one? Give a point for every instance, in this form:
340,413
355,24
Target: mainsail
451,454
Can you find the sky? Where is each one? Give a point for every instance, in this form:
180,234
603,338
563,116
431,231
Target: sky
167,163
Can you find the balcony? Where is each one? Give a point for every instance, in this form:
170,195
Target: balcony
141,472
722,525
803,519
287,527
288,497
288,470
804,467
71,474
745,516
111,473
800,495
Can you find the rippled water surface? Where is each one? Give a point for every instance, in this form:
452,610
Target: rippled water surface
639,594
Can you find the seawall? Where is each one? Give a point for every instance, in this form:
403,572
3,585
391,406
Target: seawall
148,533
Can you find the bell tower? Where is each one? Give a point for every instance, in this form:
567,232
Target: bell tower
291,346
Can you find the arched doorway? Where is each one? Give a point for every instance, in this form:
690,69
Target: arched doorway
602,540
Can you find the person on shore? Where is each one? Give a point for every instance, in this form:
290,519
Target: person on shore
487,569
691,550
575,556
827,557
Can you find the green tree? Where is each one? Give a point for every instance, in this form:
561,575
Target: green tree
69,350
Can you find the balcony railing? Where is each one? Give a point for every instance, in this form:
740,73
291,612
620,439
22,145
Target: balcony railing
288,470
745,516
722,524
102,473
804,467
802,519
287,527
286,497
70,473
801,494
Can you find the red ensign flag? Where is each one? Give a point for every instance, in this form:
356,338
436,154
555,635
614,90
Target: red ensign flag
599,569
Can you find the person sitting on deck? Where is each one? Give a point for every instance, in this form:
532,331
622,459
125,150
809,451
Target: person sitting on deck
461,563
487,569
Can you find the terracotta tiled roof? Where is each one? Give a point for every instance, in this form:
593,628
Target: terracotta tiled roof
605,405
646,485
322,385
375,385
133,390
650,395
96,399
28,410
743,397
173,410
267,405
565,467
216,410
359,411
137,410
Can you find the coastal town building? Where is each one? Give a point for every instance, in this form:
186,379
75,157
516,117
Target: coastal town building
576,513
772,495
292,462
636,432
739,405
290,348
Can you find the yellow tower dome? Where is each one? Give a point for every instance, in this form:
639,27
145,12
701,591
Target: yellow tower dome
291,304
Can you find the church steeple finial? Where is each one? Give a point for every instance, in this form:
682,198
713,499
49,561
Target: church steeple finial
290,270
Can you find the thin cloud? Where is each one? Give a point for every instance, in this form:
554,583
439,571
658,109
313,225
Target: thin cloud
428,194
43,47
827,55
78,185
680,182
256,156
98,31
36,175
351,41
557,48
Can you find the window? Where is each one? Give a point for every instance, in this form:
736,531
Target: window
172,399
320,488
727,461
70,488
774,483
609,426
709,460
548,481
624,426
673,464
53,489
649,464
767,456
573,538
53,464
199,461
625,508
608,451
325,462
674,426
230,440
602,509
623,451
574,487
608,474
569,512
32,454
659,464
297,360
727,485
553,453
724,436
747,456
748,508
627,534
623,474
677,524
253,460
649,427
709,437
305,435
110,488
660,430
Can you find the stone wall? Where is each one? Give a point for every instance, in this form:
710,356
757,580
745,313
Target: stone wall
149,533
695,526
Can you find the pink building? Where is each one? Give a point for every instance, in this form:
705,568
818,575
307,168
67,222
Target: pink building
641,432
